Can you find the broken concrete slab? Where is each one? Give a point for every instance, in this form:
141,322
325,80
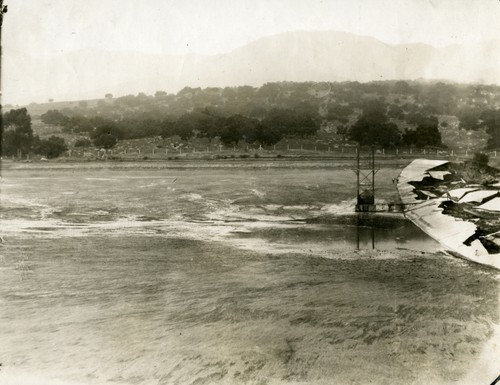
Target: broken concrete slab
451,232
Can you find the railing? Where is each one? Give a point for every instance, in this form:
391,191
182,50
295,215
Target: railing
381,207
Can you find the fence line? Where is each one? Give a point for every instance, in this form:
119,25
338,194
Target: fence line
157,152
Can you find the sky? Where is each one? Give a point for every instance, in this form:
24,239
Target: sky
47,28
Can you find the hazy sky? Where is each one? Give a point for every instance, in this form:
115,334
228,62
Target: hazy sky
48,27
35,31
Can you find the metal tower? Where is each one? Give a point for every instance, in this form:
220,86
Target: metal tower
365,172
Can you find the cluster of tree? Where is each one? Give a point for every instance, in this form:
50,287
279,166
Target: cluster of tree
373,127
17,137
202,123
425,134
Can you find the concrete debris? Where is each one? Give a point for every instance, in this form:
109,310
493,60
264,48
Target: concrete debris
417,170
439,174
478,196
455,234
458,193
428,194
492,205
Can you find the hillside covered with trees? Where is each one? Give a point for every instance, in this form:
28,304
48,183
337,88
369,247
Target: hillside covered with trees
387,114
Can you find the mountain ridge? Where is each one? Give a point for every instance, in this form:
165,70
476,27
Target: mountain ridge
289,56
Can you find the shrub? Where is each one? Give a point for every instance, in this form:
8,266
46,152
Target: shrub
106,141
83,142
480,159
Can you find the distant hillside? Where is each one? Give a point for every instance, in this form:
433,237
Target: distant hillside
421,114
294,56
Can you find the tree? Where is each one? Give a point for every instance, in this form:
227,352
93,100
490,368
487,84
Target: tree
141,128
17,134
396,112
429,135
108,96
270,130
78,124
54,117
160,95
188,92
373,128
167,128
274,126
304,124
184,126
426,134
207,123
51,147
339,112
107,135
231,131
269,91
401,87
237,127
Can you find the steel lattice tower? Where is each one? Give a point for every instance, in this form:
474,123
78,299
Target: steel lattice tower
365,172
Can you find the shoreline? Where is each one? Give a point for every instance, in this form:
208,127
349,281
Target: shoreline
257,163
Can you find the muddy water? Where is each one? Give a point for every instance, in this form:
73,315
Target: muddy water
348,231
249,276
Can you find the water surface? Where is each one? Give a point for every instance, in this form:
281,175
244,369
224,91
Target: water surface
210,276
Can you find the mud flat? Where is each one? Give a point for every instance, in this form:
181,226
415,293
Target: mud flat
452,232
